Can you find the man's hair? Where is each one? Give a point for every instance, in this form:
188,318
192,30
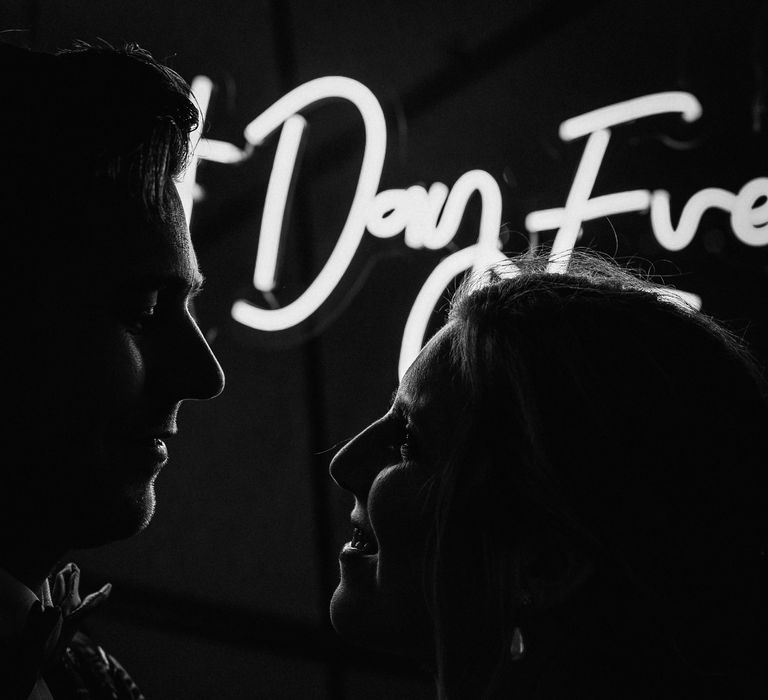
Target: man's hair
87,136
615,441
92,111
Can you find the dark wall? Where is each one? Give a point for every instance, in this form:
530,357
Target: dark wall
225,594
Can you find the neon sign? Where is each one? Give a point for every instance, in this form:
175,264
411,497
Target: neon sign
429,218
749,222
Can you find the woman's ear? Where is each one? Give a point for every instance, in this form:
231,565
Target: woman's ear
553,574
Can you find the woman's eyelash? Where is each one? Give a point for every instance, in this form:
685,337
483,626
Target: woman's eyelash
406,443
403,443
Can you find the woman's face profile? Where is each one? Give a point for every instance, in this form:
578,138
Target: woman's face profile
379,601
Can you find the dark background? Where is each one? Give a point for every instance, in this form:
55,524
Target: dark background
225,595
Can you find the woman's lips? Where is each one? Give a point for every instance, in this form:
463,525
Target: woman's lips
361,545
350,554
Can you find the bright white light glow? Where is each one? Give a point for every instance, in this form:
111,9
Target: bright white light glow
202,87
265,271
478,256
750,222
430,217
682,103
386,214
676,296
221,152
432,292
678,238
391,210
749,214
423,230
579,207
201,148
370,172
439,236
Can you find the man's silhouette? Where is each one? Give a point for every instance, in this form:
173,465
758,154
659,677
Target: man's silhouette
100,347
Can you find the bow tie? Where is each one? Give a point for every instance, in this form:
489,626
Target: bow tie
49,628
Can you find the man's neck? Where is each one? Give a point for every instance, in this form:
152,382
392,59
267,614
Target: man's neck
29,562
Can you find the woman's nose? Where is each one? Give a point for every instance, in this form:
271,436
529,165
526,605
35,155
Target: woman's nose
355,466
340,469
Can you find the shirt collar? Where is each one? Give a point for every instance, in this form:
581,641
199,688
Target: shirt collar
15,601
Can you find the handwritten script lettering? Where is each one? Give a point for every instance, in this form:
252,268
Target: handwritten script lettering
429,218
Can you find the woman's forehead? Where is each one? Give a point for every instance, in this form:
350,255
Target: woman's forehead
428,378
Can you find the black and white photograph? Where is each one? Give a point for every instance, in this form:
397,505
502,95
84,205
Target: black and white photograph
381,350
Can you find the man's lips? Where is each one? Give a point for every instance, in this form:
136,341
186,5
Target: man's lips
156,435
161,431
151,448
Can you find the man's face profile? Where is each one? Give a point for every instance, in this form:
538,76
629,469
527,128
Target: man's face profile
119,352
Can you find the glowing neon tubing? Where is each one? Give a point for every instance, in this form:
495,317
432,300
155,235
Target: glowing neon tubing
682,103
370,172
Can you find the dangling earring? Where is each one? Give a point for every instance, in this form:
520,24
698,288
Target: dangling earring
517,646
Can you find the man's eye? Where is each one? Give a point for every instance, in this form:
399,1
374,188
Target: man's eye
138,319
138,310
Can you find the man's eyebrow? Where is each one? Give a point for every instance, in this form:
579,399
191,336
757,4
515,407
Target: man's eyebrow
197,285
190,286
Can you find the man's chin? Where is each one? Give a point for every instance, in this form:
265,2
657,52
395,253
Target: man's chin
117,518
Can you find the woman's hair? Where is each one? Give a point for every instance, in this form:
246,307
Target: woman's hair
606,493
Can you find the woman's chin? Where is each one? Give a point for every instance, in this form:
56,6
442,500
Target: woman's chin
349,614
367,621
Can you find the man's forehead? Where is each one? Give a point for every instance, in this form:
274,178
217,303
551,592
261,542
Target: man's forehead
158,259
117,205
124,242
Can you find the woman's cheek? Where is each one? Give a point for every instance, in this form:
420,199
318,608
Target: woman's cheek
396,505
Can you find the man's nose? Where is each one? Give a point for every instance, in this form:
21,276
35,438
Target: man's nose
198,374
